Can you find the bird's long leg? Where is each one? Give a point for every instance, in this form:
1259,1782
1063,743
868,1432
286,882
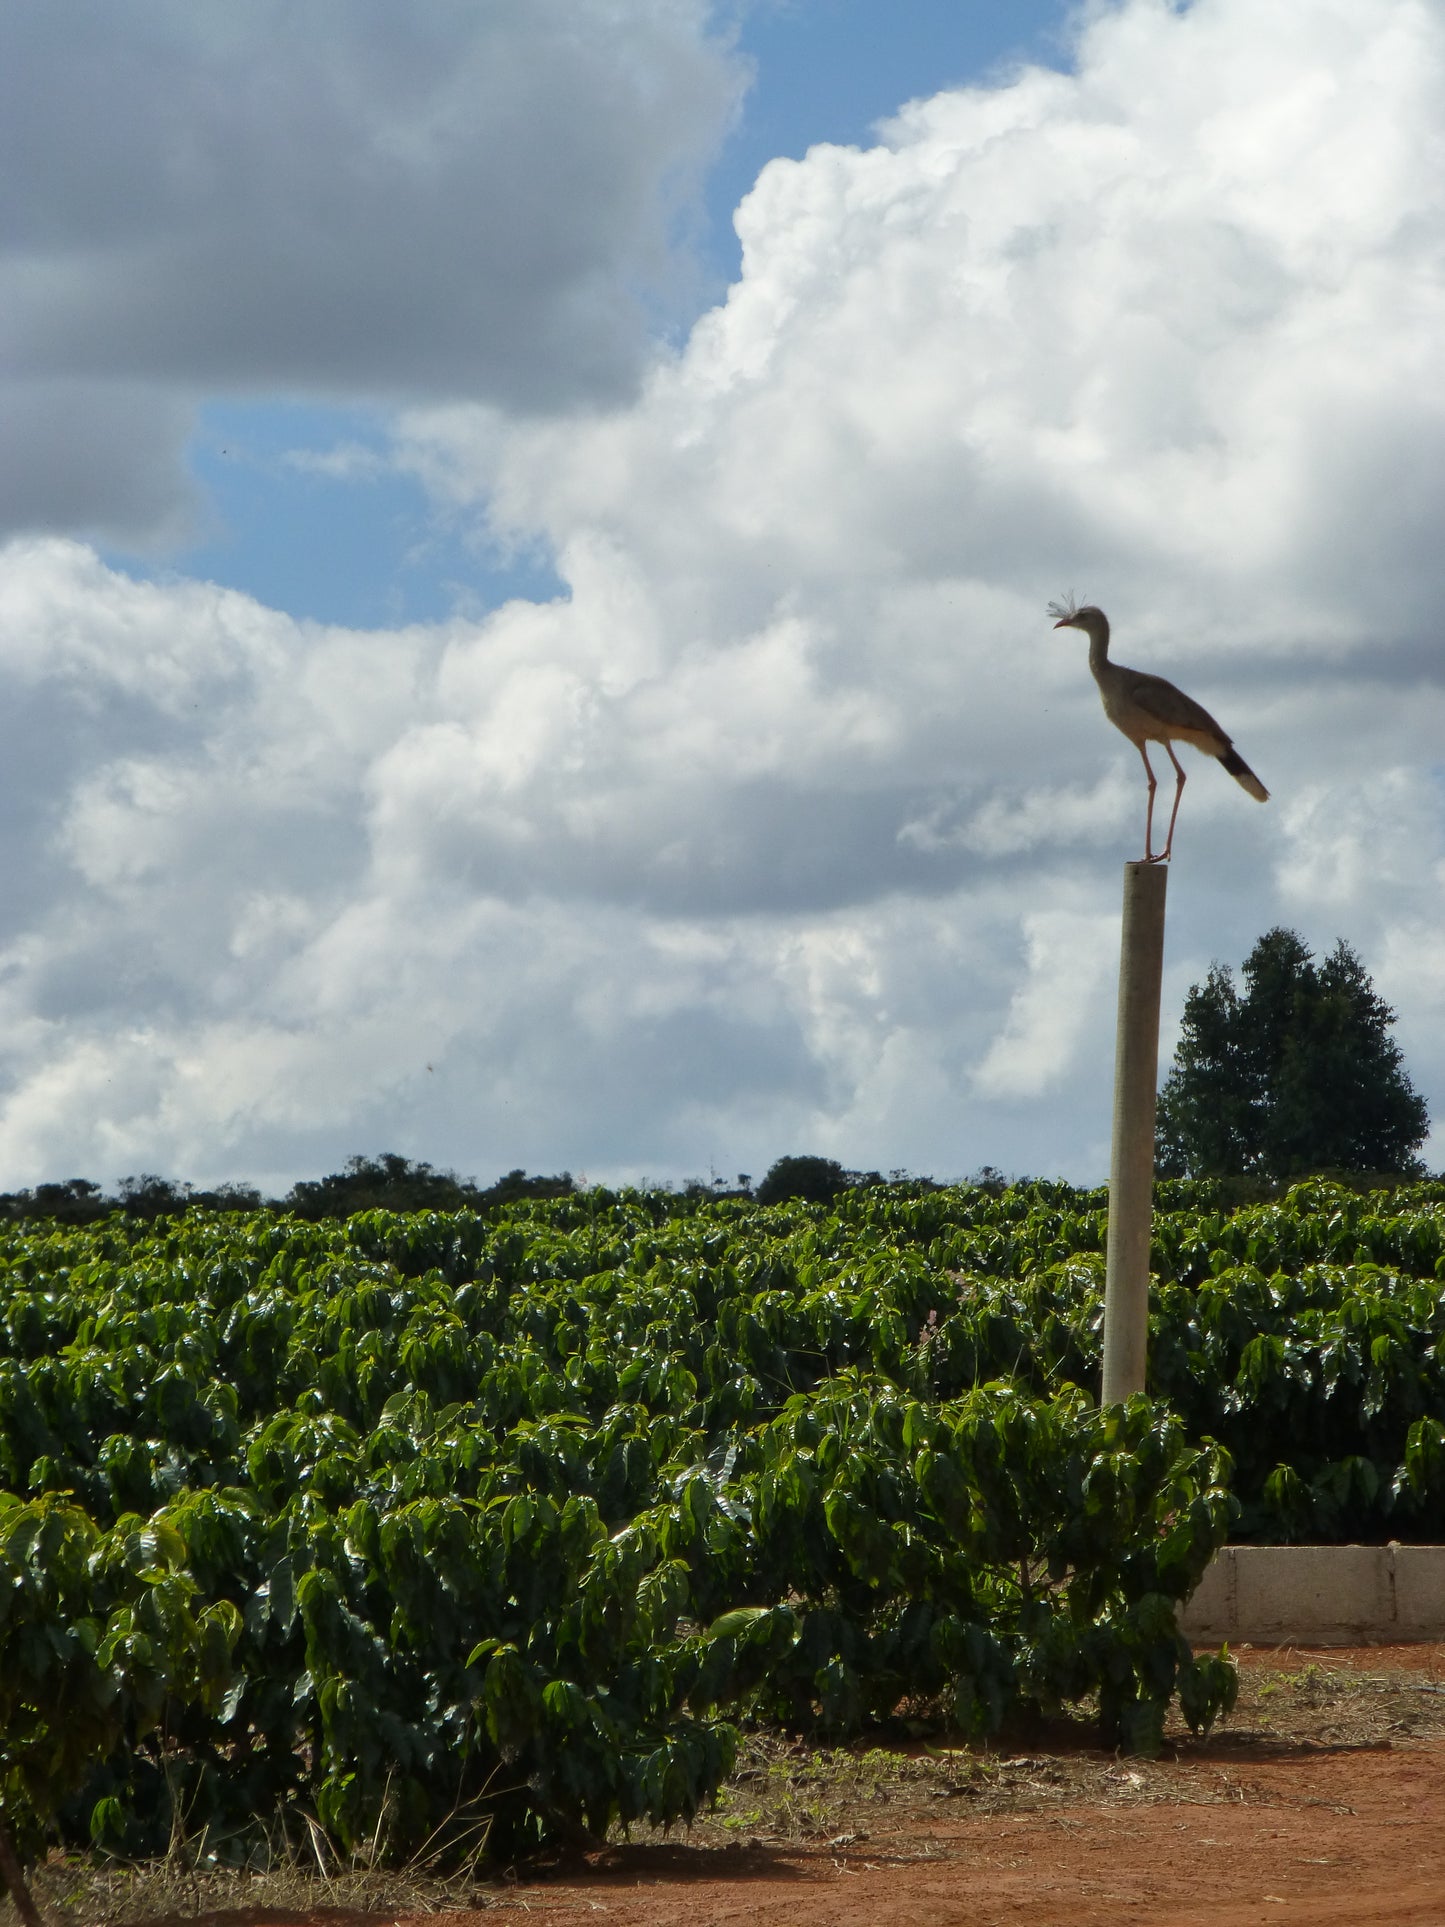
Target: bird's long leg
1178,792
1149,856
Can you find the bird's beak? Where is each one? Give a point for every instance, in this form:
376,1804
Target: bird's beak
1067,622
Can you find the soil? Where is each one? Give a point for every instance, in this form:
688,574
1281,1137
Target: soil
1320,1800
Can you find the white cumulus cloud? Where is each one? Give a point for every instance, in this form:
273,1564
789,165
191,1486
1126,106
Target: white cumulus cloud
791,824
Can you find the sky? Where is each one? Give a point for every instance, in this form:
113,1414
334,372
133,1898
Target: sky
525,535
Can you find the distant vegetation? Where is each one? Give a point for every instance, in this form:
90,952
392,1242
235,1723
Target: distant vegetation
385,1183
394,1183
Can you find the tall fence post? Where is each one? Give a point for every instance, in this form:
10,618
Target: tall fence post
1131,1164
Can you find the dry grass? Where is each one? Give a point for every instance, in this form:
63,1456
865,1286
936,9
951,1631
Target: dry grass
296,1880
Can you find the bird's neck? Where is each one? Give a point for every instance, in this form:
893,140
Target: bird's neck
1098,645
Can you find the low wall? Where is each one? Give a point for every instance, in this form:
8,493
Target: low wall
1319,1596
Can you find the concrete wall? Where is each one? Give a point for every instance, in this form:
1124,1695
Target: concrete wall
1320,1596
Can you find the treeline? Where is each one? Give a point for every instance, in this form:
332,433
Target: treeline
394,1183
389,1182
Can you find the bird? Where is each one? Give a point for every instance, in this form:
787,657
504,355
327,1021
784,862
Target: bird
1150,710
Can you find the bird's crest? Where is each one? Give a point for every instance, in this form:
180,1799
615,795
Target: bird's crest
1064,611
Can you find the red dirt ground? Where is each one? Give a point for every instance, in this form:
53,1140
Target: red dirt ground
1251,1828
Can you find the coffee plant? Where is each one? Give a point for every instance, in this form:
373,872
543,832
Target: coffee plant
421,1524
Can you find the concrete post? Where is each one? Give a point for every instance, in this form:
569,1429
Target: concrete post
1131,1165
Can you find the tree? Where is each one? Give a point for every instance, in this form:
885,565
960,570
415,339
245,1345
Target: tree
817,1180
75,1201
394,1183
1298,1074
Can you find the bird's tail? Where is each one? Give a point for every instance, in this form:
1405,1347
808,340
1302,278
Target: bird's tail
1242,773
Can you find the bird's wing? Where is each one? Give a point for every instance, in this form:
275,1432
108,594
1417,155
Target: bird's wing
1171,707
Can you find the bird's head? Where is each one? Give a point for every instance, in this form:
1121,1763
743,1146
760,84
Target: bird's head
1091,620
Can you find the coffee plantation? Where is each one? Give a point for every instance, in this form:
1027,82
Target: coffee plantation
433,1526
